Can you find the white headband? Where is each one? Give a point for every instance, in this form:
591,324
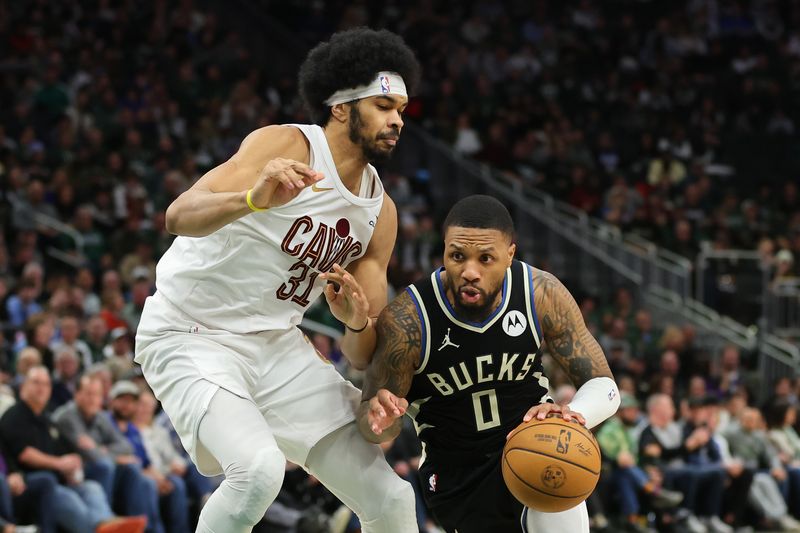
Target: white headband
384,83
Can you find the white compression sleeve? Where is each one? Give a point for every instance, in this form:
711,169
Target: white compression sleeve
596,400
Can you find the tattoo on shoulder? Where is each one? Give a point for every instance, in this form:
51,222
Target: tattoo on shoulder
568,339
398,348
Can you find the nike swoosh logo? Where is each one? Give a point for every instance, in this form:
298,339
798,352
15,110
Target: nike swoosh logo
320,189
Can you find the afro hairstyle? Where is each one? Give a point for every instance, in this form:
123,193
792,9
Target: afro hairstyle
349,59
482,212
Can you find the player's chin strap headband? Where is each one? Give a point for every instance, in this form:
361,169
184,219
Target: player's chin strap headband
383,83
597,400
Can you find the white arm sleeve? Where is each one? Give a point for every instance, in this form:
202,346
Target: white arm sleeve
596,400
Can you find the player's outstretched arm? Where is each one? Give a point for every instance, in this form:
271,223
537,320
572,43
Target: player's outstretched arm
575,349
391,371
362,292
271,161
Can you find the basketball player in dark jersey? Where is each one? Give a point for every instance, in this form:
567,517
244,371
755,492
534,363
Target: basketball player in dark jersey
460,352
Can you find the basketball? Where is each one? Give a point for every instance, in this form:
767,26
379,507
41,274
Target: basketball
551,465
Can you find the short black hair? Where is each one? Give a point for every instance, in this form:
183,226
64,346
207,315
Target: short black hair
349,59
480,211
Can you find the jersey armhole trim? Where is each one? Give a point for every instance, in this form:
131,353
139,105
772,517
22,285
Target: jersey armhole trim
529,296
425,348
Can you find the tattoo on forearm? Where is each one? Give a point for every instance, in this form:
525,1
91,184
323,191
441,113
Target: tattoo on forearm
568,339
397,351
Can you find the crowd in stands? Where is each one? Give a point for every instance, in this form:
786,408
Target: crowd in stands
625,109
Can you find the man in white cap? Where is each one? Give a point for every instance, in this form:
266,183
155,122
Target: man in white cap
259,236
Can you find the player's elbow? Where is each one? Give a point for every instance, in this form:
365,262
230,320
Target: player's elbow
172,217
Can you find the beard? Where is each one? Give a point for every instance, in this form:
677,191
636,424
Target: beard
373,153
476,312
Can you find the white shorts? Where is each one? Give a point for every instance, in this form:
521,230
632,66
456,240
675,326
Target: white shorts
301,395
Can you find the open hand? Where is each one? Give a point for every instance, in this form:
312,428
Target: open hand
346,298
384,409
280,181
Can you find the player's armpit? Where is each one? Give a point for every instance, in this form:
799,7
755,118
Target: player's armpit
564,330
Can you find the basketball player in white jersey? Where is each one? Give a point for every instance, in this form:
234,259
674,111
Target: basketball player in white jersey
298,206
461,352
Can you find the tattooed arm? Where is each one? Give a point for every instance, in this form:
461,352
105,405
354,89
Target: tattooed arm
569,341
391,371
578,353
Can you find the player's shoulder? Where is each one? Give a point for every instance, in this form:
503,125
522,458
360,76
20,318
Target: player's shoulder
401,308
277,140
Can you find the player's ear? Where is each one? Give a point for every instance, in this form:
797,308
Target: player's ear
340,112
512,249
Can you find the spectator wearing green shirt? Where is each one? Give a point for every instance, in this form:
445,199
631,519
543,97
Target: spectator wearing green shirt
620,450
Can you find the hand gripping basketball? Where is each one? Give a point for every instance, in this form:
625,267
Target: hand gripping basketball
543,410
384,409
280,181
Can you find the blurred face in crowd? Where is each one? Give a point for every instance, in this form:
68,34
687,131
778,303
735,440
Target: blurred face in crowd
70,329
697,387
89,396
146,408
124,407
750,419
730,358
475,262
661,411
28,358
374,125
644,321
670,364
629,415
36,389
67,364
97,329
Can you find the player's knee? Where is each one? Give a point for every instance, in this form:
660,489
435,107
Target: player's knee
399,500
256,483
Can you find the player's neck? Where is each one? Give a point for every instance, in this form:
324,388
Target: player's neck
348,158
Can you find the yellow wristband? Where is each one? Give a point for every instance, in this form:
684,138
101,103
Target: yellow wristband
250,203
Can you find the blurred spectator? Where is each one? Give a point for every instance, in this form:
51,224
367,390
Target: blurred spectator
65,377
69,329
35,444
669,446
171,488
119,353
107,455
620,450
165,458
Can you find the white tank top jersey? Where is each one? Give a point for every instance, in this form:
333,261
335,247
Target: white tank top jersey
261,272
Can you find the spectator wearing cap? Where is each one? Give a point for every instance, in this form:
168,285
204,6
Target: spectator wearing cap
119,353
69,329
107,455
138,264
620,452
784,267
34,443
171,488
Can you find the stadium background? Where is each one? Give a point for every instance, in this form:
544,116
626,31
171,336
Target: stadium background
647,150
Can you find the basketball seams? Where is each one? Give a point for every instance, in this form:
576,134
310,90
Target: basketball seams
588,434
561,459
583,495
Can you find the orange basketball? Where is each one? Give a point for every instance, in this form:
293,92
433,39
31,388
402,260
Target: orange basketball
551,465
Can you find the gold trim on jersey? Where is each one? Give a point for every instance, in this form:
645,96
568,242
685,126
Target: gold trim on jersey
498,313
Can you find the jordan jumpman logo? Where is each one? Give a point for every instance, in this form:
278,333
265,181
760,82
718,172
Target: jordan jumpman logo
447,342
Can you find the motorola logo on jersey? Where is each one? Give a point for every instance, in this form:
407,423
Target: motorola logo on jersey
514,323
